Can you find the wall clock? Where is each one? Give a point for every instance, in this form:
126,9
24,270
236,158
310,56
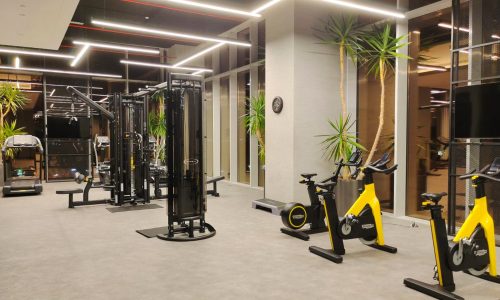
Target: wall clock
277,105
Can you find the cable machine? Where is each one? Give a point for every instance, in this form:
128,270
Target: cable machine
186,177
129,147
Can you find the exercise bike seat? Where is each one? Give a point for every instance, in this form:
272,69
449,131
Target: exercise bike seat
434,197
326,186
308,176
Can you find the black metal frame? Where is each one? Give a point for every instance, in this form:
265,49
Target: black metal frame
129,161
455,82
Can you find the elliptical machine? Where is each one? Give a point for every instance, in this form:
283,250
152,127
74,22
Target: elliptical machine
296,215
473,248
362,221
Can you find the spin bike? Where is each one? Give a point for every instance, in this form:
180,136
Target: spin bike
473,248
362,221
296,215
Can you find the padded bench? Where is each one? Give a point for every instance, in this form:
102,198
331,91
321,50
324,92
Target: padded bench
214,181
70,194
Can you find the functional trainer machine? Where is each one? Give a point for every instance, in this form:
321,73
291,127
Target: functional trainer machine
472,250
362,221
129,165
186,177
296,215
22,181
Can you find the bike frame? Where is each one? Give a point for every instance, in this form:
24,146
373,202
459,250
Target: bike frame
369,197
480,216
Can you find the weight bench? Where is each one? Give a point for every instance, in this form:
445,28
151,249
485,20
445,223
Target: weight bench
70,194
214,181
73,204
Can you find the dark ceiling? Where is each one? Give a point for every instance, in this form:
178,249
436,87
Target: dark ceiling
154,14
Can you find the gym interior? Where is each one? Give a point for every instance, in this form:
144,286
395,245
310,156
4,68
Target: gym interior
259,149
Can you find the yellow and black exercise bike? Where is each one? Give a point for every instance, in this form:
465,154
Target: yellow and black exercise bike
473,248
362,221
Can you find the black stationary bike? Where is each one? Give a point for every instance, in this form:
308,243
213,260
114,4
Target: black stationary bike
472,250
296,215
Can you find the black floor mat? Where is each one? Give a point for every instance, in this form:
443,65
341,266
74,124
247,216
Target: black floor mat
153,232
133,208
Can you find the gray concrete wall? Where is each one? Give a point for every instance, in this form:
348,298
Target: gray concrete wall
305,73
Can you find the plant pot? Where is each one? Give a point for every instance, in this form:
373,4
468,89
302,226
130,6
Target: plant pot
346,193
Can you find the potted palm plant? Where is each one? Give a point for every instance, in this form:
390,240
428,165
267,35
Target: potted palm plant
378,50
11,100
340,143
255,122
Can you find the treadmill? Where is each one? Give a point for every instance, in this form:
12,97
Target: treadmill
22,180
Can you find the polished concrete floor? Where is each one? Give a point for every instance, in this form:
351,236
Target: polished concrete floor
48,251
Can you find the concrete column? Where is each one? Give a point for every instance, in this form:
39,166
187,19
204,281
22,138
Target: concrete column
254,89
233,127
216,124
305,73
401,120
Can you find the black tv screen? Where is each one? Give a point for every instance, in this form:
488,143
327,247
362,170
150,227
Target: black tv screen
477,111
61,128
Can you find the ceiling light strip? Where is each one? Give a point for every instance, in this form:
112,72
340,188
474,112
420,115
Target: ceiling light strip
366,8
35,53
265,6
448,26
61,72
182,62
197,73
195,12
432,68
169,33
80,55
215,8
146,64
117,47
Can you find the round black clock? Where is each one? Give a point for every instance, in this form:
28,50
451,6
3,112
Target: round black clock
277,105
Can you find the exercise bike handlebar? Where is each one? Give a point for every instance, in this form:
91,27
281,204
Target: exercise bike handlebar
386,171
482,174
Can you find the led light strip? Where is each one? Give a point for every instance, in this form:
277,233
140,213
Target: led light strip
448,26
146,64
17,62
117,47
265,6
35,53
169,33
432,68
198,54
61,85
495,36
216,8
80,55
61,72
367,8
197,73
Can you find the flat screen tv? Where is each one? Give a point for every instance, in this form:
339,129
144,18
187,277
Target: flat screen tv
60,128
477,111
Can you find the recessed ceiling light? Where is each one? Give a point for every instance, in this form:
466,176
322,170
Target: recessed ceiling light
35,53
117,47
162,66
61,72
169,33
215,7
367,8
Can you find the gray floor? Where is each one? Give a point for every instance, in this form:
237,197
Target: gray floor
48,251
